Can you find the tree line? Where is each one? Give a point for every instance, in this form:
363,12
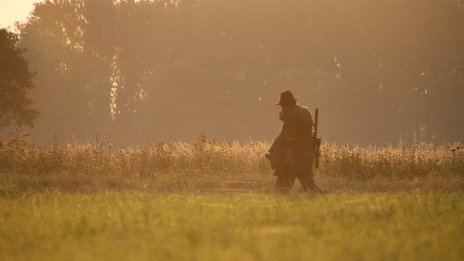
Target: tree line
380,72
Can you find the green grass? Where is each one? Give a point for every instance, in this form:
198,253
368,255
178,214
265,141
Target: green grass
248,226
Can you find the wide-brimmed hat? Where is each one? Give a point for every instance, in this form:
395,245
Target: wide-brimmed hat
286,98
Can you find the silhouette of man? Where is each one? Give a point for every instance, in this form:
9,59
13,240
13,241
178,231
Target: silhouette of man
292,154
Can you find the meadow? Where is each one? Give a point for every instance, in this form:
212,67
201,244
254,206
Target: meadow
214,200
246,226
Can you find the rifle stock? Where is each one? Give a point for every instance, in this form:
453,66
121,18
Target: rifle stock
317,141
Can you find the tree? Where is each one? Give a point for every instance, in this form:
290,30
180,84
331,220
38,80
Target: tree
15,82
132,71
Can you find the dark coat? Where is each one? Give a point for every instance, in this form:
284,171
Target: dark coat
295,139
275,154
297,130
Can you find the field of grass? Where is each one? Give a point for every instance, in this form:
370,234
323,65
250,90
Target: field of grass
212,200
245,226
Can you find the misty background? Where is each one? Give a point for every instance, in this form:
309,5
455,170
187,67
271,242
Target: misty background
130,72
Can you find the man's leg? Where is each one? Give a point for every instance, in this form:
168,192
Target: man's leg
282,184
305,175
307,182
285,179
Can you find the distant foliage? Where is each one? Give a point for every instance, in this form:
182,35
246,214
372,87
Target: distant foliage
15,83
381,71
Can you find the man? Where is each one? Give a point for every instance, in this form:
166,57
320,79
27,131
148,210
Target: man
293,152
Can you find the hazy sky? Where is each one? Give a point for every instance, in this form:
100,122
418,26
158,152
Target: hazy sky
15,10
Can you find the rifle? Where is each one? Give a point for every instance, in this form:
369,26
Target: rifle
317,141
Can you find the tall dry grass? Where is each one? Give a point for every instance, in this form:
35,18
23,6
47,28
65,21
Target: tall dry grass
205,155
179,165
392,161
